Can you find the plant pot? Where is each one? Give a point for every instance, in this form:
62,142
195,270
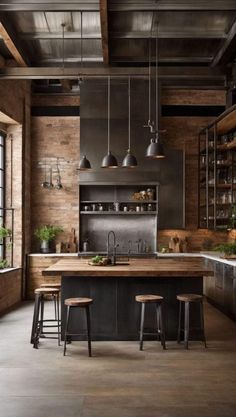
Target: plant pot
44,247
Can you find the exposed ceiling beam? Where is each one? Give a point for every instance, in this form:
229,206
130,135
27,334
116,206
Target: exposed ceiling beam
57,35
46,5
172,60
104,30
227,50
170,35
175,5
127,35
172,72
12,42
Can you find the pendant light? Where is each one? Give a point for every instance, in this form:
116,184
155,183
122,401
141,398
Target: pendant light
129,160
149,124
155,149
109,160
84,163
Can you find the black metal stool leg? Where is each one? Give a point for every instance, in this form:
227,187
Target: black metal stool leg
58,319
55,306
66,328
88,330
162,327
179,325
158,323
35,318
141,326
38,300
186,324
41,315
202,323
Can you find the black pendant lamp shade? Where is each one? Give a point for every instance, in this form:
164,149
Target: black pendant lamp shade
84,164
155,149
109,160
129,160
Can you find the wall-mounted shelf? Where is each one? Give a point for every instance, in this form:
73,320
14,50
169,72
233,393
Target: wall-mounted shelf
217,172
115,213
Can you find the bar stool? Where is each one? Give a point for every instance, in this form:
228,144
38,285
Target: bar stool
38,324
157,300
78,302
53,285
187,299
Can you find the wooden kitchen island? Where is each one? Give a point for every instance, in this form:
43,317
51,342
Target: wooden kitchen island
115,314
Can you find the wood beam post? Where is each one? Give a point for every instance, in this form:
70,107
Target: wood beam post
104,30
10,39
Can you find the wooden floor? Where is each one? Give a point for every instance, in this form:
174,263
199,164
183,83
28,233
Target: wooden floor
118,380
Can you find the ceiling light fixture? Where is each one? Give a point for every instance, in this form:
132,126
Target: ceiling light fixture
155,149
129,160
84,163
109,160
149,124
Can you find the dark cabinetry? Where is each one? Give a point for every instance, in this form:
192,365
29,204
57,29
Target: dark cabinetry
220,289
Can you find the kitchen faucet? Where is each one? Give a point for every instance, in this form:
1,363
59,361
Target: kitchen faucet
115,245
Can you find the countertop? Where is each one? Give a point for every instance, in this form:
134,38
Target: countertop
135,268
215,256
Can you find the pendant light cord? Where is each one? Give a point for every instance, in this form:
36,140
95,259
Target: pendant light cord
108,112
81,39
129,109
63,45
157,104
149,82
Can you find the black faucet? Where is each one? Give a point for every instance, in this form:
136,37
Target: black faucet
115,245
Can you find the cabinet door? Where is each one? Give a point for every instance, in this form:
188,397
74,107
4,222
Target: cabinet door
209,281
228,289
219,283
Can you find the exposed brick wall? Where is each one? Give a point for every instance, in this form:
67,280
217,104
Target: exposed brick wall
10,289
55,137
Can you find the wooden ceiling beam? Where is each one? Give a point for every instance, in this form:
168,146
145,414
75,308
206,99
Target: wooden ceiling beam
104,30
227,50
11,41
166,72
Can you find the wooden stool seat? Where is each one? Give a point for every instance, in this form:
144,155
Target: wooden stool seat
189,298
50,285
78,302
43,290
148,298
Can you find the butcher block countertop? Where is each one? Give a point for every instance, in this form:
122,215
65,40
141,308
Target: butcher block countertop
189,267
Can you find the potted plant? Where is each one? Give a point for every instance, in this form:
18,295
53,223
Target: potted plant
227,249
4,233
46,234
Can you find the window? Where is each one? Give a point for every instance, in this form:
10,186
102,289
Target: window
2,186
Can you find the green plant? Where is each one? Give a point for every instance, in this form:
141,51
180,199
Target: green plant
227,248
4,232
4,263
47,233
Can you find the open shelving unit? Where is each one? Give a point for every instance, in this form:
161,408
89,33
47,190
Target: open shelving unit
217,172
110,206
